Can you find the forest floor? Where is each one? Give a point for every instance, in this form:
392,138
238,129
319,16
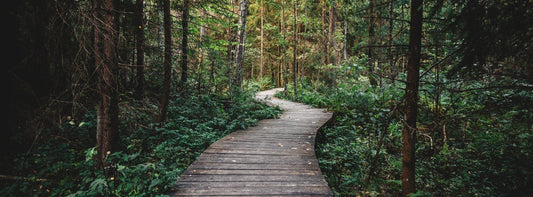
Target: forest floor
276,157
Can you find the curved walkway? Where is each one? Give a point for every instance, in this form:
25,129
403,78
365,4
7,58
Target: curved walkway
274,158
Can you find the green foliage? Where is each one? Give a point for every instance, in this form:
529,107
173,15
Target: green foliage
260,84
152,157
472,141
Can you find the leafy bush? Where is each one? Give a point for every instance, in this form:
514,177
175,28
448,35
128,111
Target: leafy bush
152,157
470,143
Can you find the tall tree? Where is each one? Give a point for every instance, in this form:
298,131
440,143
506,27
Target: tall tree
231,39
324,34
106,43
332,29
184,40
139,23
411,99
262,41
241,40
295,62
283,35
371,35
167,61
389,48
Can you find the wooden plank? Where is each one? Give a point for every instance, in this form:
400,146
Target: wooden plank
246,177
250,191
253,172
238,184
240,158
252,166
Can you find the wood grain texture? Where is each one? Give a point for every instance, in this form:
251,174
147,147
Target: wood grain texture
274,158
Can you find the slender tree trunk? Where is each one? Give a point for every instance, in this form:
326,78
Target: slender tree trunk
371,35
324,34
139,23
106,45
262,41
345,40
167,62
199,69
280,69
202,34
285,69
184,40
231,39
393,70
295,62
332,29
241,40
411,99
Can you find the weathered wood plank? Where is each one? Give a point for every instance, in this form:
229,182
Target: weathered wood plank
253,166
278,190
246,177
253,171
274,158
185,184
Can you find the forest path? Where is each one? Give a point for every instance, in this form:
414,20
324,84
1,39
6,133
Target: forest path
274,158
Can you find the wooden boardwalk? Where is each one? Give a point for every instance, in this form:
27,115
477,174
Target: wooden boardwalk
274,158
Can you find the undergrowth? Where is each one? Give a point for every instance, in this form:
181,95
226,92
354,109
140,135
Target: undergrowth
469,144
152,157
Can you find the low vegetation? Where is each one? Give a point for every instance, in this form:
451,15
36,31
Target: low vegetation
61,163
471,141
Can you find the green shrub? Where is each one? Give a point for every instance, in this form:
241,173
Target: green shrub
152,157
487,150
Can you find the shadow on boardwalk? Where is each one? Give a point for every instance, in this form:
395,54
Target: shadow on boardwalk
274,158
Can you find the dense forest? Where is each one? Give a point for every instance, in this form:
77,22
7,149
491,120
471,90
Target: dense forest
118,97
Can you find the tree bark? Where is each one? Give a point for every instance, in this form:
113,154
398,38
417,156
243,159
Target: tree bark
285,69
332,29
411,100
371,35
231,38
295,62
184,42
167,62
345,40
241,40
393,70
325,35
139,23
262,41
106,43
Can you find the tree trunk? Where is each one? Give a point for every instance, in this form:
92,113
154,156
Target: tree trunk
371,35
262,41
411,100
241,40
202,34
201,52
231,38
332,29
280,69
393,70
345,39
295,62
106,41
283,33
184,47
139,23
167,62
324,34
